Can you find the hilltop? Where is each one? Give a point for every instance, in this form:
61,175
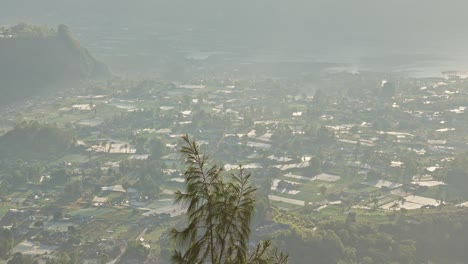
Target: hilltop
36,59
33,140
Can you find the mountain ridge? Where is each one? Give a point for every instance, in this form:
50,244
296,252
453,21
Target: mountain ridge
36,59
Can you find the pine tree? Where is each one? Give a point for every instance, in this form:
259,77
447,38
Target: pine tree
219,212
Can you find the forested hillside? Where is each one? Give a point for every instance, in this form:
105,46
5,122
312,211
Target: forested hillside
412,238
35,140
35,59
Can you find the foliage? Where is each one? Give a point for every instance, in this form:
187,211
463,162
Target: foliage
6,241
20,172
137,251
388,89
435,238
19,258
72,191
22,30
65,258
156,148
39,224
457,173
219,212
147,173
35,140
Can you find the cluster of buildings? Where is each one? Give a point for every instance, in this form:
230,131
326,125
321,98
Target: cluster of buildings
324,148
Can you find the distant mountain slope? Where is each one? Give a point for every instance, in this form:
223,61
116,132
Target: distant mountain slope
34,59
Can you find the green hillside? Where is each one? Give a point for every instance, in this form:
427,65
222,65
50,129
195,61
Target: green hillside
36,59
33,140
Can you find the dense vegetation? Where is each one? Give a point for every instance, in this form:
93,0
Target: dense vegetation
219,214
33,140
418,239
34,59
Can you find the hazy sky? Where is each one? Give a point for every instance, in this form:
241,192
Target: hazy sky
357,30
391,20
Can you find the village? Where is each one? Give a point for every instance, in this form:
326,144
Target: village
335,143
